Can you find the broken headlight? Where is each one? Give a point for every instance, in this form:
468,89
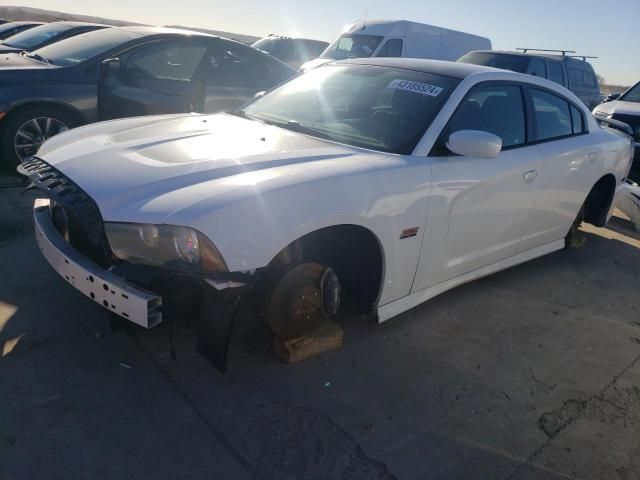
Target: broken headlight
168,246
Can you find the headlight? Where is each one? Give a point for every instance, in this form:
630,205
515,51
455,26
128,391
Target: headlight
168,246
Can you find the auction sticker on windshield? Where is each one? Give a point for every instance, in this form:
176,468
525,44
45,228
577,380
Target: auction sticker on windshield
416,87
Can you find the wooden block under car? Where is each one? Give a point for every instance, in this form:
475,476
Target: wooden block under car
324,338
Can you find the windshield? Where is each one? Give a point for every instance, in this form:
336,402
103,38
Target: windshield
515,63
36,36
71,51
632,95
352,46
374,107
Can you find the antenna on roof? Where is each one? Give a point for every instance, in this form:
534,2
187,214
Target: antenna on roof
525,50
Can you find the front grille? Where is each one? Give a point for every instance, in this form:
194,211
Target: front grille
83,226
632,120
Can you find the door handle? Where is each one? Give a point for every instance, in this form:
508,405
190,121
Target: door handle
530,176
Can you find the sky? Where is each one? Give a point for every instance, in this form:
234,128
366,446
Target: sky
589,27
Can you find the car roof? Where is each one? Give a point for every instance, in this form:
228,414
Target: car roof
81,24
143,30
561,58
24,22
440,67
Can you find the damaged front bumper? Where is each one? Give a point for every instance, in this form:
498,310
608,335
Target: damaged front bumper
112,292
217,298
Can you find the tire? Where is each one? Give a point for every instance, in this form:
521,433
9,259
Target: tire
24,132
575,238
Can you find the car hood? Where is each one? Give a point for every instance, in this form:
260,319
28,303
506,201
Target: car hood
15,61
147,169
618,106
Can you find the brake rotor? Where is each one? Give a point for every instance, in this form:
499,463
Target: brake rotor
294,306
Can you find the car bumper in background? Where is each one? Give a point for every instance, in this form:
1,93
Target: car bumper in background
112,292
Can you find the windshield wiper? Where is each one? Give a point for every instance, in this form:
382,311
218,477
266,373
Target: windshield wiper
35,56
295,126
240,113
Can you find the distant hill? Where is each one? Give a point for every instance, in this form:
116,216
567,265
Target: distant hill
41,15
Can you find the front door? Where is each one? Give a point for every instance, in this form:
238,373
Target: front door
478,205
154,78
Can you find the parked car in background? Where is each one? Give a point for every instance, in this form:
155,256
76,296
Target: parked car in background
390,180
123,72
398,38
11,28
625,108
571,72
292,51
43,35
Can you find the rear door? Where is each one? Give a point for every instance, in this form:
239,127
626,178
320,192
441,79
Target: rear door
478,205
153,78
568,158
233,73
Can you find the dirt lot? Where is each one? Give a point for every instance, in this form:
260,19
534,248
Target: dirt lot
533,373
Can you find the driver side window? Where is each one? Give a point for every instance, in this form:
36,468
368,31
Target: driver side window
163,61
497,109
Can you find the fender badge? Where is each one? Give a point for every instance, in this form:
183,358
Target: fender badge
409,232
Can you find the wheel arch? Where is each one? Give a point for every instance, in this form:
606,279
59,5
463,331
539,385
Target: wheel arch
53,104
599,200
352,250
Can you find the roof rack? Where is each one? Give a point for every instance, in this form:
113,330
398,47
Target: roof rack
564,52
583,57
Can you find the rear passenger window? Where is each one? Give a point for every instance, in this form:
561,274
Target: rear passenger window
537,68
555,72
576,120
575,76
498,109
590,80
393,48
552,115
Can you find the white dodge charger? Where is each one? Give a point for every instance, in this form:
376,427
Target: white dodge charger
387,181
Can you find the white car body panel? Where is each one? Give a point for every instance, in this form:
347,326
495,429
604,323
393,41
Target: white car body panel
252,189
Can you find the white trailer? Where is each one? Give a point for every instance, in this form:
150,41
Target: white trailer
398,38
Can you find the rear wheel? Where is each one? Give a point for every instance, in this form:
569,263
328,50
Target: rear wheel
24,132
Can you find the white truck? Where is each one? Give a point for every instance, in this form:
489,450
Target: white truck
398,38
386,180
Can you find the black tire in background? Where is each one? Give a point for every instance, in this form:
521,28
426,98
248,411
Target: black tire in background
30,122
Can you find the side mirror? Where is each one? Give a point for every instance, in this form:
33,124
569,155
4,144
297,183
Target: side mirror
611,97
474,143
259,94
110,65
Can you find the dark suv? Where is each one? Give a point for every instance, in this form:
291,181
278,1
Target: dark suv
574,73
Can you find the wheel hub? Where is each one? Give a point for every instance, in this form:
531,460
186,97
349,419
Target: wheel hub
304,302
294,304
